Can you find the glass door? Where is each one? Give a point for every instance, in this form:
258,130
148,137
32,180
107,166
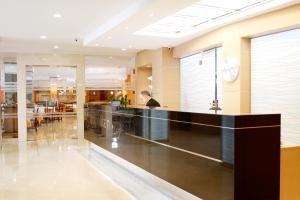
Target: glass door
8,99
51,102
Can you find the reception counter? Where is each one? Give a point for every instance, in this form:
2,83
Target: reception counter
211,156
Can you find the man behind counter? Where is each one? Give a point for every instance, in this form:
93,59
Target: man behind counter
149,101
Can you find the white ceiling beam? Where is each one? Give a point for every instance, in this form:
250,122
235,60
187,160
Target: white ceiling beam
115,21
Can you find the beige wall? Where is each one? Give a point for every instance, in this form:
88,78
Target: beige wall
235,40
142,81
165,75
154,59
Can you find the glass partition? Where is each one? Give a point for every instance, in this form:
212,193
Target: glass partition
8,100
51,102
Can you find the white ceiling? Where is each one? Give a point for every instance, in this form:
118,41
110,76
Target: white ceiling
22,23
31,18
106,27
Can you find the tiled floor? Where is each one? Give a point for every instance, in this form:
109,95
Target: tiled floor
66,128
52,169
55,129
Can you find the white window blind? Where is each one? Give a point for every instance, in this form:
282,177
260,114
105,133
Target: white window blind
276,80
197,81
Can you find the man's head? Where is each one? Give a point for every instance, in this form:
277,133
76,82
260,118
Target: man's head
145,95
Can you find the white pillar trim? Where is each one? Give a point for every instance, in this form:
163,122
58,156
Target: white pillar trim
21,105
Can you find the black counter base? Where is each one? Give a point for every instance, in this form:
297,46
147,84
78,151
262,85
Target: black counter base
211,156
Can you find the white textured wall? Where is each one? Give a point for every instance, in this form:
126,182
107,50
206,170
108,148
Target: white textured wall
276,80
197,82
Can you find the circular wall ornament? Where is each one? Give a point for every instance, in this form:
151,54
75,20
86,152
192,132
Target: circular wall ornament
230,69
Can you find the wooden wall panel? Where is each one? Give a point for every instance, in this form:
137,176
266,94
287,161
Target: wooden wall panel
290,173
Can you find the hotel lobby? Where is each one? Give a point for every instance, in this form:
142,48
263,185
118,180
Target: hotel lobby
149,99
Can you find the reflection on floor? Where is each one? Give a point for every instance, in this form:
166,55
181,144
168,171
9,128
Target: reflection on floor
66,128
52,169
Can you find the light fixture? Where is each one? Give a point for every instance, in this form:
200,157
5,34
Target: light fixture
114,144
111,92
43,37
56,15
126,28
124,49
205,14
109,37
55,47
97,45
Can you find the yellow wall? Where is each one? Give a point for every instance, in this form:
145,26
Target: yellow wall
235,39
142,81
165,75
154,59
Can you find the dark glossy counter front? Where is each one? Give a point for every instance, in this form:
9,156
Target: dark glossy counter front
210,156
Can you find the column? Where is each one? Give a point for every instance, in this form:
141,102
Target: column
80,92
236,94
21,95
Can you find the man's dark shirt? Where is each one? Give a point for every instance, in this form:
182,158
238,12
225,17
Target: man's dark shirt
152,103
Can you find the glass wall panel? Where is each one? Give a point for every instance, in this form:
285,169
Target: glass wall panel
9,100
104,84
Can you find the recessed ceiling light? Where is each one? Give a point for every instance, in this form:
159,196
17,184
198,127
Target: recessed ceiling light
55,47
126,27
43,36
57,15
109,37
97,45
124,49
151,15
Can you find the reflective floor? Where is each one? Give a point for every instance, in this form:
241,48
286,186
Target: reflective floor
65,128
52,169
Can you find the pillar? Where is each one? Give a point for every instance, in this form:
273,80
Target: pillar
80,92
21,95
236,94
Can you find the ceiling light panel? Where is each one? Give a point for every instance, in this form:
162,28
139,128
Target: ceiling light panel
201,14
191,16
231,4
183,20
